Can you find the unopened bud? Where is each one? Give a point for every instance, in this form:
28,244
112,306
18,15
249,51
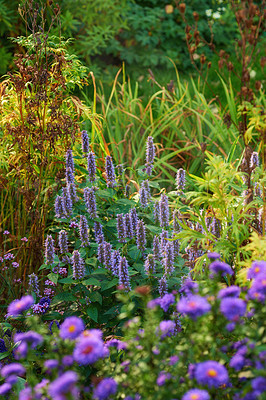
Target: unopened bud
182,8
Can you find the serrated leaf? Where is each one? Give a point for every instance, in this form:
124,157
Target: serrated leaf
95,297
65,296
92,312
108,285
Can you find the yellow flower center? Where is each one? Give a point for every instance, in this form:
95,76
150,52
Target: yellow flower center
194,397
192,304
18,305
264,282
72,328
211,372
257,269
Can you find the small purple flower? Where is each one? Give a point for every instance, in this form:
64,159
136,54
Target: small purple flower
163,377
211,373
12,369
123,274
173,360
128,226
25,394
70,160
134,218
164,211
98,231
189,286
107,387
72,192
164,241
214,256
33,284
90,201
216,227
67,361
156,248
6,233
150,150
19,306
254,160
49,249
237,362
83,231
166,301
100,252
108,259
194,306
233,308
67,201
259,283
167,328
51,364
110,172
64,385
5,389
143,196
220,267
196,394
231,291
259,385
91,166
62,240
163,286
31,337
85,142
116,257
149,264
71,328
88,350
121,229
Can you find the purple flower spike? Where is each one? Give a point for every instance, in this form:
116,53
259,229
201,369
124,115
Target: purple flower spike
91,166
211,373
180,181
78,265
98,232
123,274
70,160
128,226
33,284
67,202
164,241
107,387
62,240
116,262
150,150
176,226
108,261
168,260
141,236
149,265
85,142
134,218
143,196
121,229
194,306
100,252
164,211
69,176
156,212
216,227
49,249
176,245
156,248
196,394
71,187
220,267
110,172
254,160
83,231
163,287
59,207
90,201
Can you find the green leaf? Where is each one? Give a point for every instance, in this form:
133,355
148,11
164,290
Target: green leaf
154,229
64,296
92,312
53,277
4,355
110,284
91,281
67,280
95,297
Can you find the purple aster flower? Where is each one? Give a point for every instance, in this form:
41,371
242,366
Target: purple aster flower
88,350
189,286
49,249
83,231
164,211
51,364
211,373
90,201
85,142
71,328
19,306
231,291
141,236
63,386
237,362
123,274
98,231
107,387
173,360
5,389
110,172
134,218
78,265
30,337
163,287
156,212
163,377
259,283
166,301
156,248
121,228
108,258
256,268
128,226
12,369
214,256
116,257
259,385
230,327
196,394
33,284
180,181
149,264
220,267
91,166
233,308
25,394
168,260
67,361
167,328
67,201
194,306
